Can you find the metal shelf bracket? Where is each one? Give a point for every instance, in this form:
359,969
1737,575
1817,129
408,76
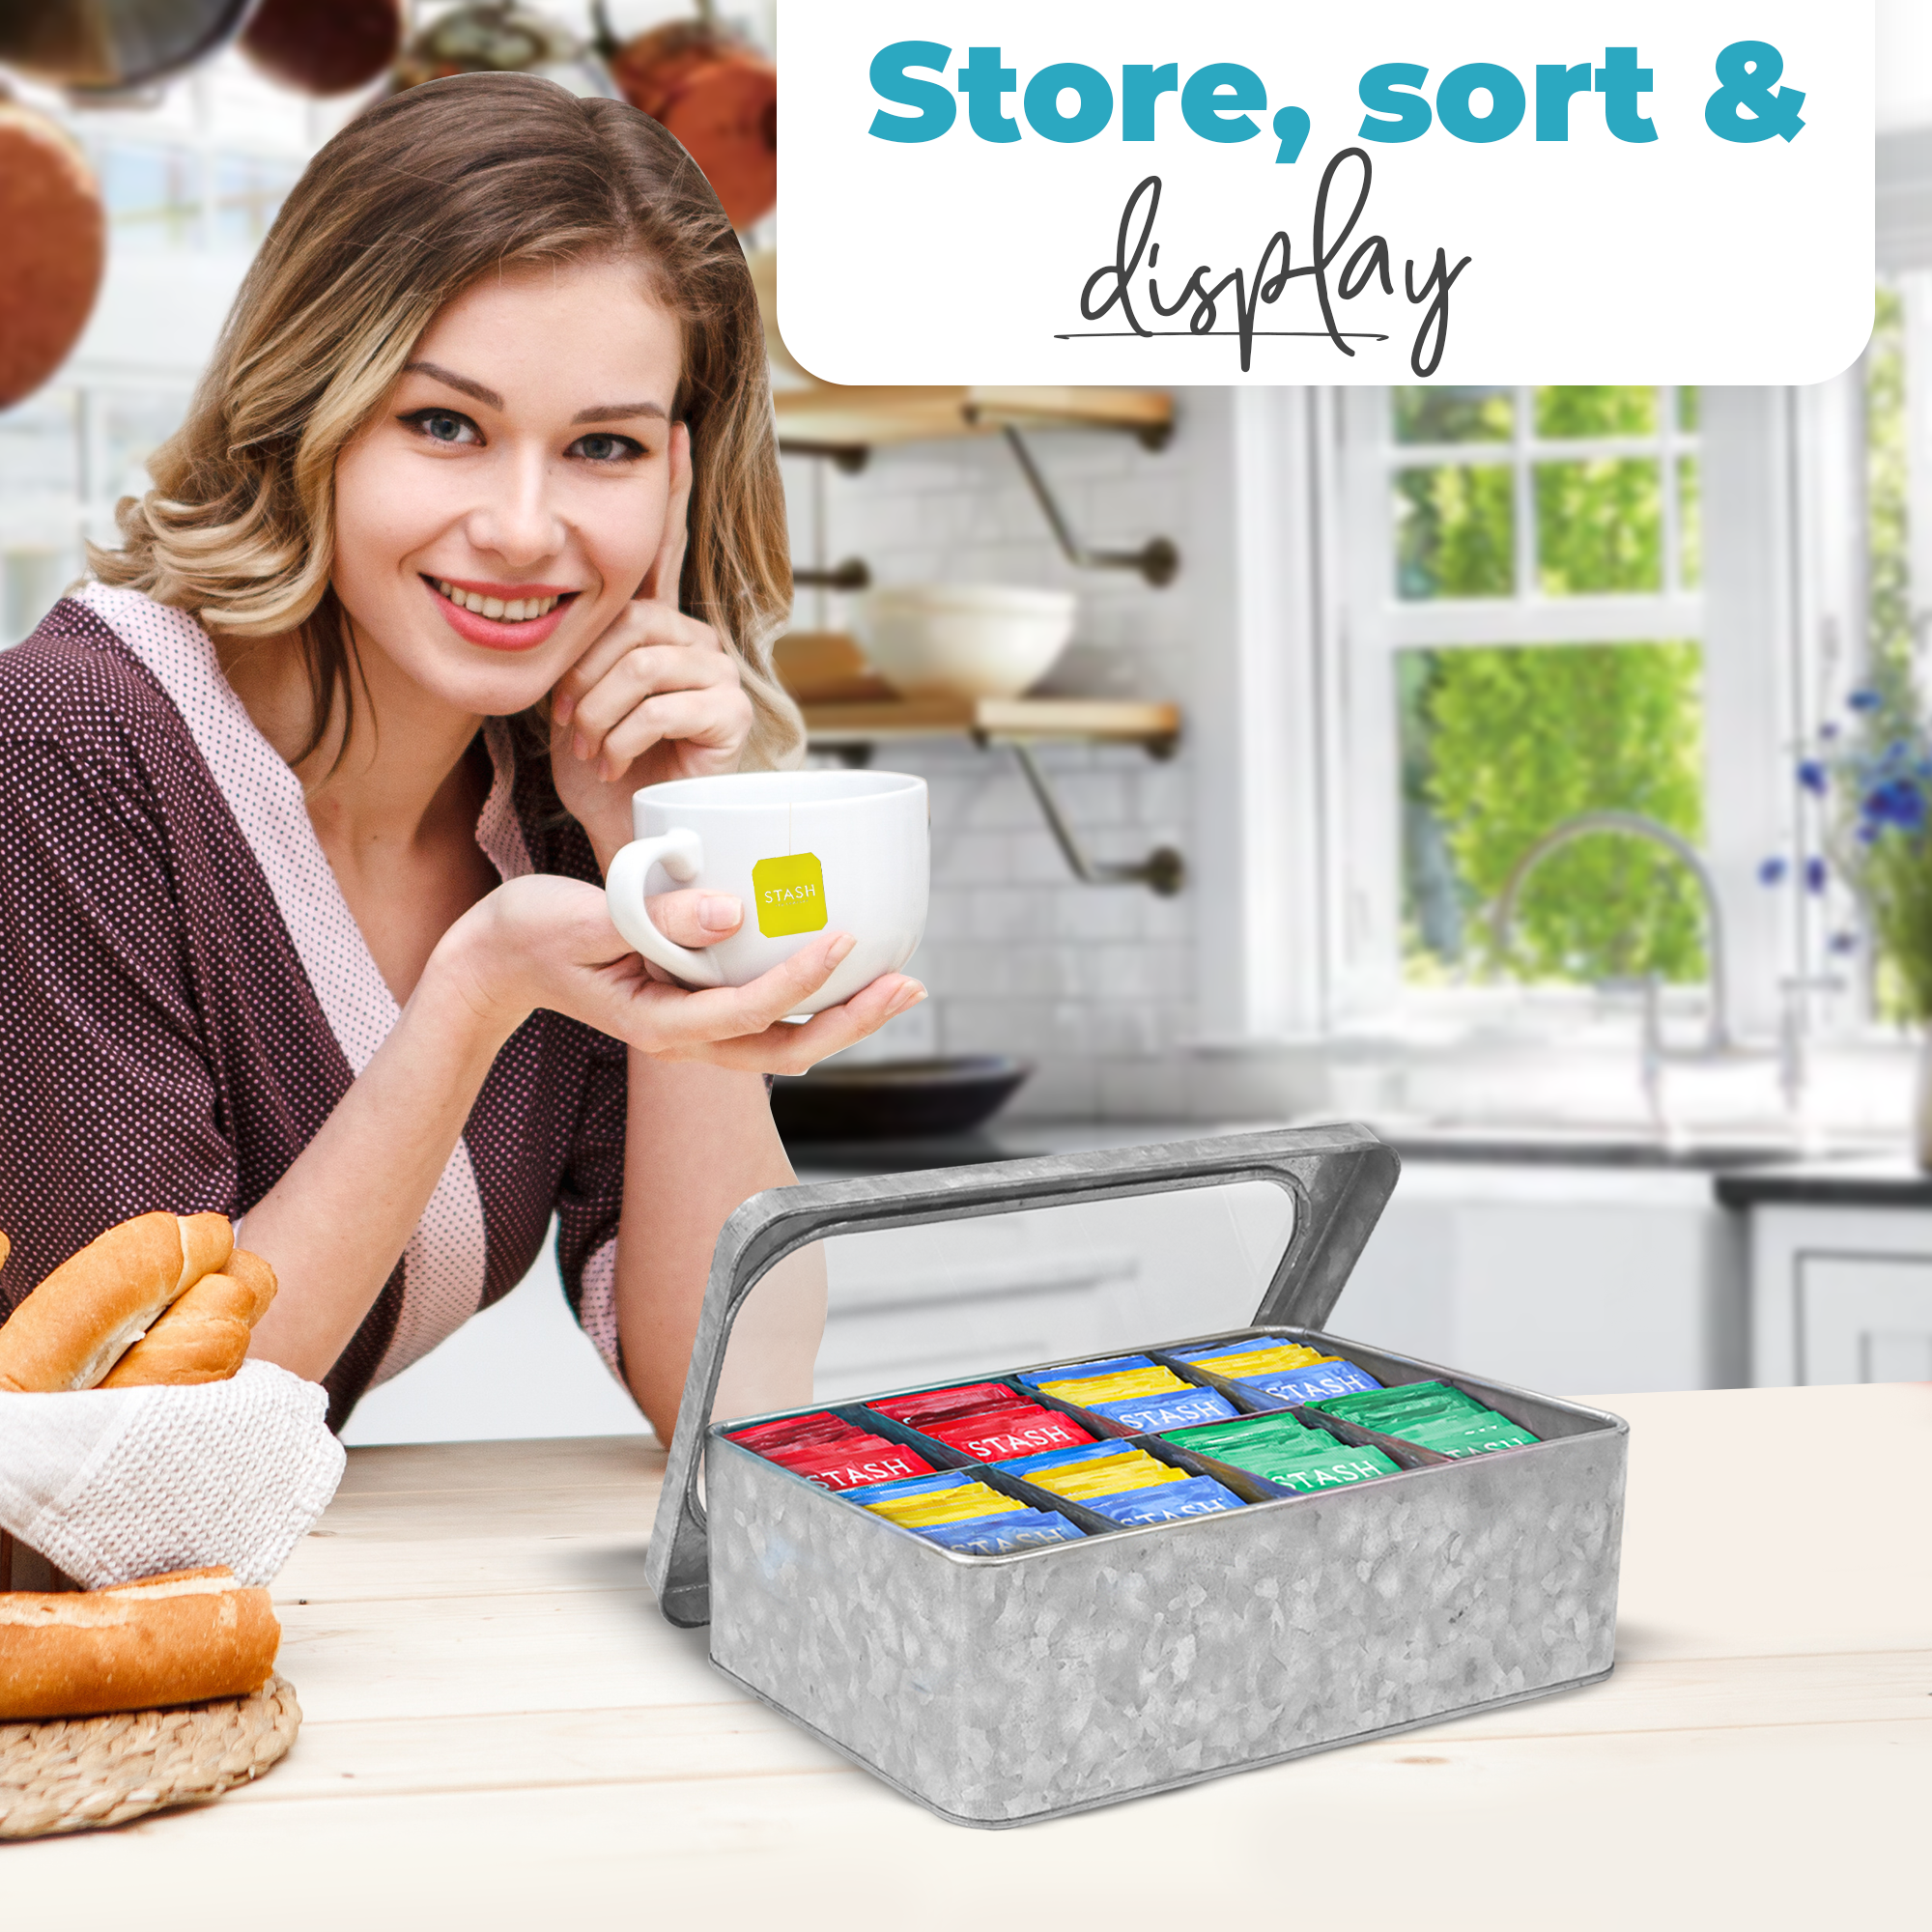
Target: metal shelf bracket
1157,560
1162,871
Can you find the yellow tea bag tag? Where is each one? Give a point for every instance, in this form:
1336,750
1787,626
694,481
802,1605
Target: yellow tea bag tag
789,893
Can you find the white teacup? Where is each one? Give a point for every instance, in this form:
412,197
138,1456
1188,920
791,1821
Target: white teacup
801,851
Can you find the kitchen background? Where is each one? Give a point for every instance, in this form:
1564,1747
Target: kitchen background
1407,633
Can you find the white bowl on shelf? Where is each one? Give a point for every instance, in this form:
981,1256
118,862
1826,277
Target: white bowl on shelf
963,639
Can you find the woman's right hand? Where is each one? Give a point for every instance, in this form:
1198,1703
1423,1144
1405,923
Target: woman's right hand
545,941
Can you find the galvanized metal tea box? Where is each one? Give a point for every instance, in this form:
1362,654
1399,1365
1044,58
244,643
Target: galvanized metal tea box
997,1689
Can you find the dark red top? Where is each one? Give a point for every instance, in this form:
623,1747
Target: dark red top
185,995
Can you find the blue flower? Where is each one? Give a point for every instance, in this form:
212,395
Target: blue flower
1895,801
1864,700
1843,942
1814,875
1771,872
1812,776
1828,730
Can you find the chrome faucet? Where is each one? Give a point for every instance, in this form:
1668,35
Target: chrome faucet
1631,824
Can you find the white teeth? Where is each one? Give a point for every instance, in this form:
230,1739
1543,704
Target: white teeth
518,611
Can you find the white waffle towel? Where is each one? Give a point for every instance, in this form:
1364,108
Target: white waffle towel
111,1484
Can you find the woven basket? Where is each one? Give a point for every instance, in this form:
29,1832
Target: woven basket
75,1774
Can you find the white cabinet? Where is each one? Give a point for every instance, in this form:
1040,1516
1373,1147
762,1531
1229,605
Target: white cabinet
1575,1280
978,1296
1840,1295
1580,1281
1571,1280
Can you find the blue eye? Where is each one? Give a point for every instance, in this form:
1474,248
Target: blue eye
602,446
444,426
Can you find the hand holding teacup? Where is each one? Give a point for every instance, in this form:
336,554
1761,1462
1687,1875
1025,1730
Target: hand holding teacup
656,697
654,710
807,851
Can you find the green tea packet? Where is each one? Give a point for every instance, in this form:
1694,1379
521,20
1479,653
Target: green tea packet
1329,1472
1433,1415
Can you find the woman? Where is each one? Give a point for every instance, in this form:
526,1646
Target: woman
474,527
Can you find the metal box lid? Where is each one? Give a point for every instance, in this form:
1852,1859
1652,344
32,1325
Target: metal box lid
1340,1178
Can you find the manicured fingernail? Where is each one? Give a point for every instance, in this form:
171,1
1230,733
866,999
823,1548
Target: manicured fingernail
909,997
840,947
563,708
719,913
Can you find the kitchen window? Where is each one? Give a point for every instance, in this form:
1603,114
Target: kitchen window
68,455
1525,615
1484,611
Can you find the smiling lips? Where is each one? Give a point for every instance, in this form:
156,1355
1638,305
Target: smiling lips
513,611
500,617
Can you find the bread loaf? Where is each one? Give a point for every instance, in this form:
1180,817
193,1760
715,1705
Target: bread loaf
78,1322
257,1276
204,1337
175,1639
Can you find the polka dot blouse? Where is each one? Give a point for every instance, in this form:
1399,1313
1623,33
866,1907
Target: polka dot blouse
185,995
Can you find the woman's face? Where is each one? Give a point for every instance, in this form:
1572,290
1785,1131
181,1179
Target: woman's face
508,498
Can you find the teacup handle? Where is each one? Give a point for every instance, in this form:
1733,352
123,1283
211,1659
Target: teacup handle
680,852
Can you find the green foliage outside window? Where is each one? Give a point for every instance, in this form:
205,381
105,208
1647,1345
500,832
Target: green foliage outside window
1500,744
1888,485
1455,531
1506,742
1893,875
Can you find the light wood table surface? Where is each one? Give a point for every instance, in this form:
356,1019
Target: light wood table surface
500,1731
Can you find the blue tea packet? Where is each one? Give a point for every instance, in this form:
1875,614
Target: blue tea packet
1168,1408
995,1535
1202,1495
1054,1459
911,1486
1312,1383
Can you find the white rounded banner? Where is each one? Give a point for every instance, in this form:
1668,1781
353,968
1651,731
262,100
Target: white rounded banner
1501,191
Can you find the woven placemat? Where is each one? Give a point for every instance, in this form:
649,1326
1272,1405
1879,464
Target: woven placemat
75,1774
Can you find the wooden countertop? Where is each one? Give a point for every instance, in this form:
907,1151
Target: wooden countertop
500,1731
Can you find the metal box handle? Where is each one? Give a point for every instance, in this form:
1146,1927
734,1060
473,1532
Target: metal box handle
1340,1178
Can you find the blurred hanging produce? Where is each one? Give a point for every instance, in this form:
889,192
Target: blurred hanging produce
113,46
323,47
55,242
716,93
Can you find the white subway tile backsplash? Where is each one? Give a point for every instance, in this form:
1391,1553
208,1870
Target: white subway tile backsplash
1036,858
1064,1086
1095,914
1020,913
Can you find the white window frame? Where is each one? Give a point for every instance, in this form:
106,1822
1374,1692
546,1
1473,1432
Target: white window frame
1299,932
1379,623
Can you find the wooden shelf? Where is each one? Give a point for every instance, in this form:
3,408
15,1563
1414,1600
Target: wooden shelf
853,729
845,422
1096,720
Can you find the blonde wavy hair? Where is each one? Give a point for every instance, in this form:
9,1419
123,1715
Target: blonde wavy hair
404,210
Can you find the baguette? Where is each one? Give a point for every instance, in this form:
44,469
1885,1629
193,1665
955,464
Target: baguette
204,1337
180,1638
79,1321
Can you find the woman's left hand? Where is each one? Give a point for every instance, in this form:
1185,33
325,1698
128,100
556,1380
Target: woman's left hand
657,697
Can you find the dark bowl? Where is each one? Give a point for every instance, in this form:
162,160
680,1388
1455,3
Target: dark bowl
886,1099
